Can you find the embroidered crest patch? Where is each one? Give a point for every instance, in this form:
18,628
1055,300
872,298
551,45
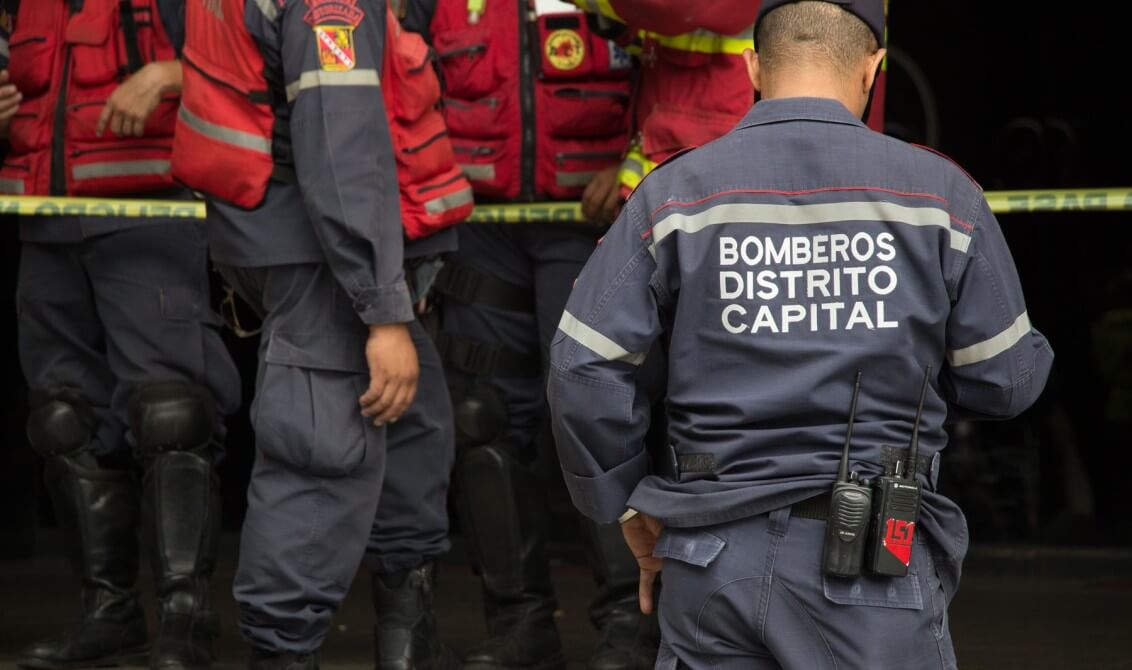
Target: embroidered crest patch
335,47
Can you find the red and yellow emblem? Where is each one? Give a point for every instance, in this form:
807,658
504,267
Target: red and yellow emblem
565,49
335,47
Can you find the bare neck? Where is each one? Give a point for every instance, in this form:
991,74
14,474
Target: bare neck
810,83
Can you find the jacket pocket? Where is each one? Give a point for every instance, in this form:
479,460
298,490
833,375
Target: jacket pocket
306,412
30,62
478,118
487,163
566,167
93,62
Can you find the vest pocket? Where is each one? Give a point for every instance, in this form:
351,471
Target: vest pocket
467,60
418,89
568,166
423,147
487,164
585,109
95,168
478,118
93,62
31,60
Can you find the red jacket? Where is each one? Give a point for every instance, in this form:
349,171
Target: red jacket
536,104
66,66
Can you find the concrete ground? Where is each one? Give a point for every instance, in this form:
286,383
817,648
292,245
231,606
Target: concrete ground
1017,608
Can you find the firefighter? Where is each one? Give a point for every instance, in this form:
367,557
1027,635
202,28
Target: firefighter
537,106
776,263
126,366
284,126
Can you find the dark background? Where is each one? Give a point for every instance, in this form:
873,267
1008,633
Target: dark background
1025,96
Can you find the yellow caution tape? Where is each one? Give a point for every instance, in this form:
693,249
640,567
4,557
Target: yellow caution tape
1001,202
33,205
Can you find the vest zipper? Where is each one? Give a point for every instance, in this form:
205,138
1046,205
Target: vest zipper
58,130
527,98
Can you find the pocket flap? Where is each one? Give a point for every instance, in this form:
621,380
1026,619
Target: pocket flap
92,27
317,351
894,592
687,545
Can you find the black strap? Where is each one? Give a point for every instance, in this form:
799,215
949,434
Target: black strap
285,174
473,287
485,360
816,508
130,31
890,456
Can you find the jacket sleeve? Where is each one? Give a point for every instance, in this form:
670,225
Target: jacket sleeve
726,17
600,415
997,363
344,153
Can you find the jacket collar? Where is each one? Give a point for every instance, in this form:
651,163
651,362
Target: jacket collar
778,110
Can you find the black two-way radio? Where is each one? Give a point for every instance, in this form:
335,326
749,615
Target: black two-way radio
847,527
896,506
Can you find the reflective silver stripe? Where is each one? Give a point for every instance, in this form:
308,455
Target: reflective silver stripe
633,165
479,172
988,349
450,201
231,136
12,186
317,78
596,342
574,179
119,169
800,215
268,8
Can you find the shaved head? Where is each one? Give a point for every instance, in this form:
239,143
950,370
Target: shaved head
813,33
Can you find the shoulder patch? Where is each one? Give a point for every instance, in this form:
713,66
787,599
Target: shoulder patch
949,159
334,12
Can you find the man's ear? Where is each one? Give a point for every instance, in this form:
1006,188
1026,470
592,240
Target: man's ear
753,72
872,70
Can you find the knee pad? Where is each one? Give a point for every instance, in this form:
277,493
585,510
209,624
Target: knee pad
60,424
479,415
171,417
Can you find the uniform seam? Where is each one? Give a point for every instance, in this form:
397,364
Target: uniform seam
801,609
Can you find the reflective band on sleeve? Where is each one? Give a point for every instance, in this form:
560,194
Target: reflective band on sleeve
119,169
601,7
574,179
596,342
800,215
317,78
988,349
231,136
450,201
13,186
477,172
703,41
268,9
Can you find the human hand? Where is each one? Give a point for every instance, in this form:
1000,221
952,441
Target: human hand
10,98
135,99
641,534
393,373
601,201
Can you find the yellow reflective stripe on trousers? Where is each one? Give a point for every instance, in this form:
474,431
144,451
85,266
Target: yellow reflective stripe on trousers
988,349
236,138
450,201
13,186
596,342
317,78
119,169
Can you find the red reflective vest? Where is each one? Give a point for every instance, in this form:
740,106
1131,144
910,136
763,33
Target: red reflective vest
536,105
66,65
223,145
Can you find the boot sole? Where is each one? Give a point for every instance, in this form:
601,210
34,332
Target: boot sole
556,663
137,656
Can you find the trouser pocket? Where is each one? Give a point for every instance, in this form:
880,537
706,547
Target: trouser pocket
306,413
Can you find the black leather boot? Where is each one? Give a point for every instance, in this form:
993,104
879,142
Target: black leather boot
267,660
503,510
98,513
629,639
406,634
183,522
